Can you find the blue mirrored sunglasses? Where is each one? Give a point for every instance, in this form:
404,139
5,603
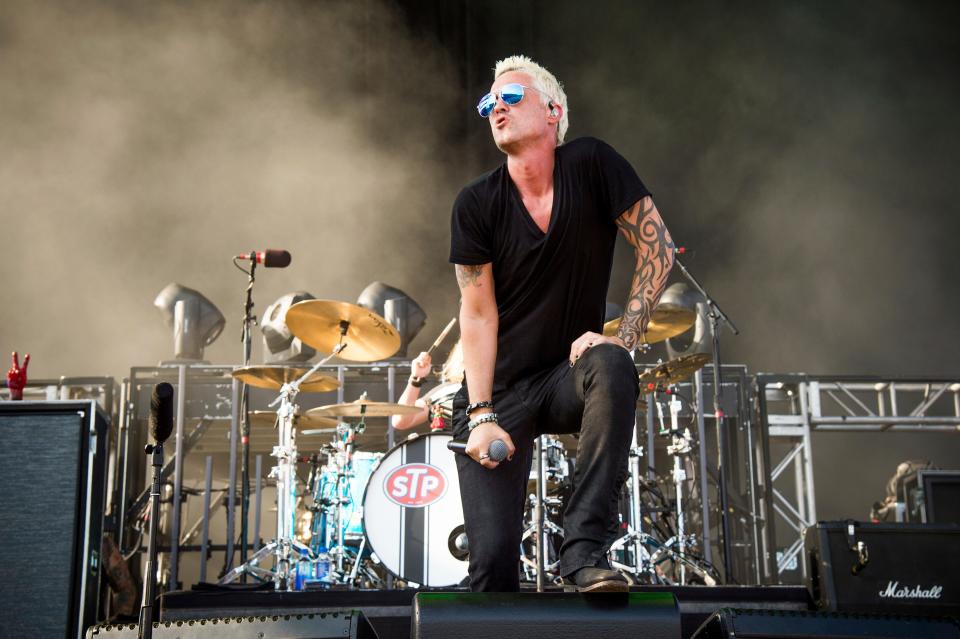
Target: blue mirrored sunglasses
510,94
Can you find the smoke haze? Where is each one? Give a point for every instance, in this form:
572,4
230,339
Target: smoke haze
149,143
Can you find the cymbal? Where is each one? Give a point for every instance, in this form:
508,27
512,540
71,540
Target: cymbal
676,370
262,418
273,377
666,321
322,323
363,407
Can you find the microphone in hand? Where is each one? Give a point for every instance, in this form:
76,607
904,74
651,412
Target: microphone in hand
498,449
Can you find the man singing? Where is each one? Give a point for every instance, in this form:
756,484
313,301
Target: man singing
532,244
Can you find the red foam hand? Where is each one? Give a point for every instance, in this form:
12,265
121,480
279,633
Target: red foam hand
17,376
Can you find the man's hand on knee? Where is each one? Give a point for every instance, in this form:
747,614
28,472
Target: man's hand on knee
588,340
478,444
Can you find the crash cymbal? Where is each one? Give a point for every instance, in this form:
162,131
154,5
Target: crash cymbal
322,324
273,377
676,370
666,321
364,407
262,418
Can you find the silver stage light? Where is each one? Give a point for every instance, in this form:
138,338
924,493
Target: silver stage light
280,346
195,321
396,307
698,338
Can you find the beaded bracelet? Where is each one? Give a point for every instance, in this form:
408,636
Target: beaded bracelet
474,406
483,419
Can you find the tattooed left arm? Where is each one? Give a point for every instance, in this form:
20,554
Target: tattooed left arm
643,227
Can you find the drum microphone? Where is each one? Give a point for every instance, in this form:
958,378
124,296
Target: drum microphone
498,449
161,412
271,258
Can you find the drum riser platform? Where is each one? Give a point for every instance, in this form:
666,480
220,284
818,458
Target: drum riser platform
389,610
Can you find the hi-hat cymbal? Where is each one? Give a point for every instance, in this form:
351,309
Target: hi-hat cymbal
261,418
676,370
273,377
364,408
325,323
666,321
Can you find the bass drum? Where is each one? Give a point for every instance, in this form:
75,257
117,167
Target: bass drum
412,513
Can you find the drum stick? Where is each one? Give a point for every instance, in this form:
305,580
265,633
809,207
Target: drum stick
443,334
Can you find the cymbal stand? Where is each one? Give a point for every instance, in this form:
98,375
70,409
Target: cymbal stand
716,317
635,537
680,445
285,543
344,461
542,526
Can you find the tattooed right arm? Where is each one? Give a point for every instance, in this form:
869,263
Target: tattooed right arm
468,275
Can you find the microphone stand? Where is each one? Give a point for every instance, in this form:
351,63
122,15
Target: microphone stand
150,578
717,316
249,320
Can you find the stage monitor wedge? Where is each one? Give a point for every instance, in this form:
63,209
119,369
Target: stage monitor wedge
550,615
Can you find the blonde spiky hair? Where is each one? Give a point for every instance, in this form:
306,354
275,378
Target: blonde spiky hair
545,82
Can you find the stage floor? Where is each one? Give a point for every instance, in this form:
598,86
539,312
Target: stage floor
389,610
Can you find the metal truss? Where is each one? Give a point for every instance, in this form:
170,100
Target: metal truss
791,407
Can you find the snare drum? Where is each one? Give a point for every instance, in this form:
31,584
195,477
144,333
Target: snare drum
412,513
442,396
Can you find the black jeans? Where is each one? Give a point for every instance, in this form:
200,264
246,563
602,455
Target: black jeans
596,398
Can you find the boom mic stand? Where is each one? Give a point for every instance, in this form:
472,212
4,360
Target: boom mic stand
246,336
161,424
716,316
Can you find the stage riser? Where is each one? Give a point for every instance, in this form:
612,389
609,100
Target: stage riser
389,611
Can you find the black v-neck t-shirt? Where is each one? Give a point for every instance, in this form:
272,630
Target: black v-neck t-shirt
550,287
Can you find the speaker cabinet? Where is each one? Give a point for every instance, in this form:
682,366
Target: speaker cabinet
52,487
730,623
909,569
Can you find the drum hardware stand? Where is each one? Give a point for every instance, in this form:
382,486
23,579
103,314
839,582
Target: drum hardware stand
542,526
635,536
717,316
284,574
344,461
680,445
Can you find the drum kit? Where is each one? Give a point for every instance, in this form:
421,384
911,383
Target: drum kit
364,518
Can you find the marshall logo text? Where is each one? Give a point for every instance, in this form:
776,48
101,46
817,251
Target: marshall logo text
895,591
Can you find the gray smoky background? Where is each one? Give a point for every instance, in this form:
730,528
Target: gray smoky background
805,153
147,143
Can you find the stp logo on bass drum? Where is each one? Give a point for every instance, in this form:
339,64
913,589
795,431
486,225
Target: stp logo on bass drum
415,485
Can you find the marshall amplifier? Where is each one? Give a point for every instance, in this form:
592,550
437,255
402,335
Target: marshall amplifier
889,568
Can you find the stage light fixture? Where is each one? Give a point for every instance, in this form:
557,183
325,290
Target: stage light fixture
698,338
396,307
196,322
280,346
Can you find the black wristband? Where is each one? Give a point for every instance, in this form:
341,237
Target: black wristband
474,406
416,382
